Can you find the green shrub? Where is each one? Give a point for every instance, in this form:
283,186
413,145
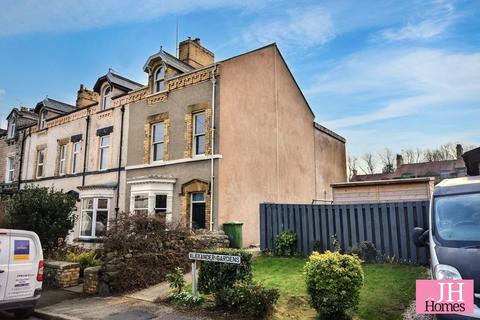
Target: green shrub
215,276
185,299
284,243
333,282
176,280
248,298
85,259
45,211
365,250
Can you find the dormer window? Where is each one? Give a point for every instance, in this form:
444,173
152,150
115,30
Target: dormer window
43,119
11,129
159,79
107,97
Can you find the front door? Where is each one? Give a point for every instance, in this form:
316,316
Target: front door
197,209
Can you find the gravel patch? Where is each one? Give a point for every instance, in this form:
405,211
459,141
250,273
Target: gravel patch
410,314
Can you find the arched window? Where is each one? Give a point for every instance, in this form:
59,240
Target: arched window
106,98
43,119
159,79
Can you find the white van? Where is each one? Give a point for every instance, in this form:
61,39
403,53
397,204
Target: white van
21,271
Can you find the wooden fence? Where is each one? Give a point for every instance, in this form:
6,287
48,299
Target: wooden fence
388,225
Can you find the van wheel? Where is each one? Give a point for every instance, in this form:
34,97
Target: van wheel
23,313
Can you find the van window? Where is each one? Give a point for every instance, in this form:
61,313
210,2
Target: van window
457,218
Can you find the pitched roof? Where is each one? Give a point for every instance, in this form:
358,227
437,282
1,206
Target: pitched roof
431,168
116,80
421,169
23,112
168,59
55,105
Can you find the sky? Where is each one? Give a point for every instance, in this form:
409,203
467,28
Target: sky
397,74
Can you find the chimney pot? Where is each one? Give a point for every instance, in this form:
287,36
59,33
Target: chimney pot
459,151
399,160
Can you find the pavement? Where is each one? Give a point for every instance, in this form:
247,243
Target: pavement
113,308
159,291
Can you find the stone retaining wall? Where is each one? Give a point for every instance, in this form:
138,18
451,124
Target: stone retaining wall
61,274
90,280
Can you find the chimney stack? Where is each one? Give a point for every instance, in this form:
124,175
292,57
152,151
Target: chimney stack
86,97
399,160
194,54
459,151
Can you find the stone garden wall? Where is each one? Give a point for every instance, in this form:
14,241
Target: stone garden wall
61,274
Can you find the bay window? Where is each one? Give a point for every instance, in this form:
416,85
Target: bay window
94,217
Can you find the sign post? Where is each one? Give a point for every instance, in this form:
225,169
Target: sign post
222,258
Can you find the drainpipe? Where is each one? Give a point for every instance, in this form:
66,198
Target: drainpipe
212,153
119,162
24,137
86,148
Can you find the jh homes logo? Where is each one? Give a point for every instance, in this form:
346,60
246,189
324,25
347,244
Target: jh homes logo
444,296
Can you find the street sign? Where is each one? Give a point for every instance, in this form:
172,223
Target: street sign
214,257
201,256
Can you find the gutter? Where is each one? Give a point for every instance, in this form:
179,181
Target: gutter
212,151
119,162
85,151
24,137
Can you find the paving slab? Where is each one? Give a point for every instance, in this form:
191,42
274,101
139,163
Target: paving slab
113,308
160,290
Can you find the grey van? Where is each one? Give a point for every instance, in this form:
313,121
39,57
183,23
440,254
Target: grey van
453,239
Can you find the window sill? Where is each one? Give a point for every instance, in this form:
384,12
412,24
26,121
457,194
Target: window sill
89,239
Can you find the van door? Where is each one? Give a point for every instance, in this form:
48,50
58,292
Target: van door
24,259
4,257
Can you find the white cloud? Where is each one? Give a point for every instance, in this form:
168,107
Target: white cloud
404,81
304,27
25,16
436,21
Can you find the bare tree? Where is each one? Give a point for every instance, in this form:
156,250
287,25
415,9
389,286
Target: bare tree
352,167
411,155
388,159
369,163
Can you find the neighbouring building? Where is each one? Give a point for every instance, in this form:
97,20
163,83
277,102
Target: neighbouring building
439,170
11,148
79,149
472,161
393,190
202,143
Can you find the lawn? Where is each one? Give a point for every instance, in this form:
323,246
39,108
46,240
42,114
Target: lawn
388,288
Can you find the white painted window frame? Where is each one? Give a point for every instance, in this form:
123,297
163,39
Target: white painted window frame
10,172
40,164
195,135
107,97
159,79
94,215
101,155
11,129
75,155
43,119
153,142
63,160
152,188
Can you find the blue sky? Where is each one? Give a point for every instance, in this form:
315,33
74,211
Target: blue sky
394,74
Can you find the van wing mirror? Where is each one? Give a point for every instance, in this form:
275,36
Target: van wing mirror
420,237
